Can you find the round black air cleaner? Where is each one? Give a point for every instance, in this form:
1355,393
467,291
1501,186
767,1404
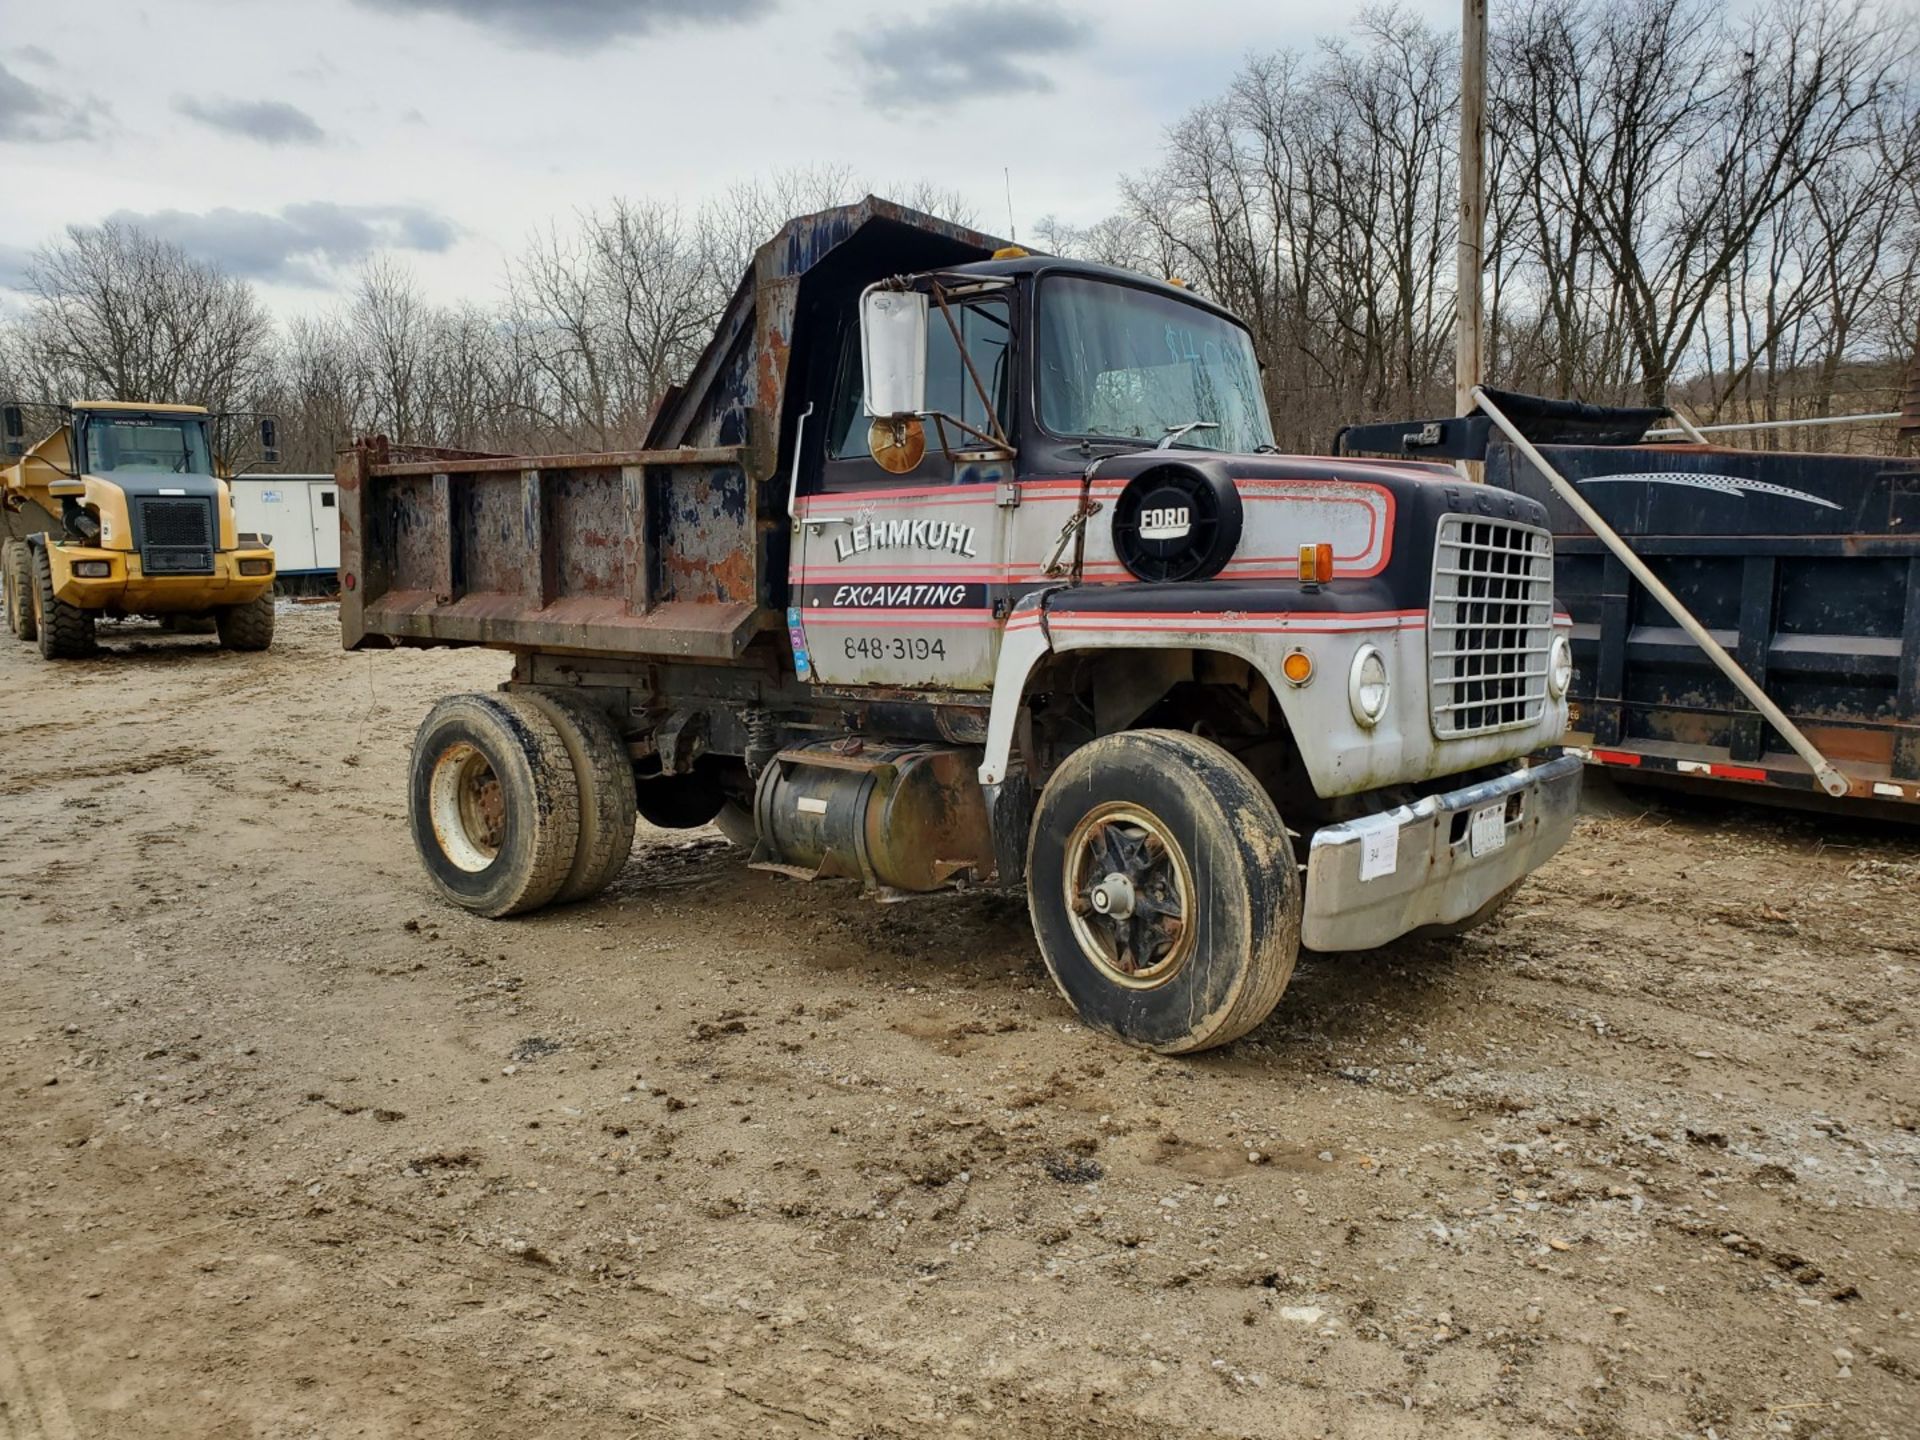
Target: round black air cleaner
1177,522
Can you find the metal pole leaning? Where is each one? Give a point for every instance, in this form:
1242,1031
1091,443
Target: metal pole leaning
1684,428
1830,778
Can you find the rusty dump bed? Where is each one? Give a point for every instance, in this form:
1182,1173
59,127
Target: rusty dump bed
678,549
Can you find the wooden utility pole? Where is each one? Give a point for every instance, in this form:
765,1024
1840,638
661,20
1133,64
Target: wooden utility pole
1469,325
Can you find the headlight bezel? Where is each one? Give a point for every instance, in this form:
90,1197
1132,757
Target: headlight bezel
1360,681
1559,667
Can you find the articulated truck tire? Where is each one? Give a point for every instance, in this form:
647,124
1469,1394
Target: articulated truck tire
248,626
65,631
493,804
16,577
603,774
1163,890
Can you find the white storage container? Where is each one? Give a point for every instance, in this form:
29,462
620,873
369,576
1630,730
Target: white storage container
300,512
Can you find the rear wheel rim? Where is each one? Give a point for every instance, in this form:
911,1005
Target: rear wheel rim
1130,895
468,807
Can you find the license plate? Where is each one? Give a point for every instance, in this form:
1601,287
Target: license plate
1487,830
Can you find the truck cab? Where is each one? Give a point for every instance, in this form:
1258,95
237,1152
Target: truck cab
122,510
985,571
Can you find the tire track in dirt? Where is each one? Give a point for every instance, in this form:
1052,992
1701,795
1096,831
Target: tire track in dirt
32,1404
105,769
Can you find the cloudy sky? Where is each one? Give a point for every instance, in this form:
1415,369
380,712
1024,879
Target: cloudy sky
287,139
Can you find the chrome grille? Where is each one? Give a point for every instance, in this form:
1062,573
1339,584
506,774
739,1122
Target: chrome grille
1489,626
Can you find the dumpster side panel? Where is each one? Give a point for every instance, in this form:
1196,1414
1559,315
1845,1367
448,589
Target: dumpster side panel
1805,567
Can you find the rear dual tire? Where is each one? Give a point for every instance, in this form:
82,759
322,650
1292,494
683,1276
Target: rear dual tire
603,775
519,799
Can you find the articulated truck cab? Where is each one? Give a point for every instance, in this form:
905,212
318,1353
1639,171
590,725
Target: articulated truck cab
953,566
121,511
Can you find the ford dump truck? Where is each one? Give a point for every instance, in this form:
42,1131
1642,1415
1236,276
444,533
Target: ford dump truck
117,512
953,565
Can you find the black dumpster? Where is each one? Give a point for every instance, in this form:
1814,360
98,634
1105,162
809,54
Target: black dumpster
1806,567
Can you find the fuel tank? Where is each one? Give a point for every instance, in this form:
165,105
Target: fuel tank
897,817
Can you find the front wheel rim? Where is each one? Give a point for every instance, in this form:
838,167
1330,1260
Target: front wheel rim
1130,895
467,805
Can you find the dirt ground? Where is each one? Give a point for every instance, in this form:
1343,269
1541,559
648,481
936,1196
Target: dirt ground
292,1149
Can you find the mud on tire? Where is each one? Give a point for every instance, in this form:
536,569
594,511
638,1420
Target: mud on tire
493,804
16,576
1163,890
65,631
603,773
248,626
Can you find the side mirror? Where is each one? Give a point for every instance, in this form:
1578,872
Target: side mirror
893,351
14,426
269,446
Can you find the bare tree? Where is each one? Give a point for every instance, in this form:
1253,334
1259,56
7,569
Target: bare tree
119,312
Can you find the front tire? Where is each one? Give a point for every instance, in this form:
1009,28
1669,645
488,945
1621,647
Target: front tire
65,631
248,626
1163,890
493,804
16,576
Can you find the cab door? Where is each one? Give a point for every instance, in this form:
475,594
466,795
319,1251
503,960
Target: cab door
900,579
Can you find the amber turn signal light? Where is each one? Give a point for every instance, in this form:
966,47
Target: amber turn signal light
1297,667
1316,564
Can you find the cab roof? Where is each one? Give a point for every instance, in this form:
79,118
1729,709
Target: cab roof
1038,264
140,406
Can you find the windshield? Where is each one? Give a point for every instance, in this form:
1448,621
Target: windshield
1129,364
142,442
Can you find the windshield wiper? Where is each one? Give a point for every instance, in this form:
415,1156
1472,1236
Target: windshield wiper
1176,432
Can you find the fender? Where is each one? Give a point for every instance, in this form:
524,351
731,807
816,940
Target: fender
1023,644
1338,756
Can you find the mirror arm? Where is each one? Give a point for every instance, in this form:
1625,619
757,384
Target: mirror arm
941,420
998,437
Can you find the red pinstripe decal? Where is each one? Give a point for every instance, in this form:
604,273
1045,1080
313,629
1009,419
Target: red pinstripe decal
825,616
1358,617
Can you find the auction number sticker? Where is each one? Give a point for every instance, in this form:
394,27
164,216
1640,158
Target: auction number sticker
1487,831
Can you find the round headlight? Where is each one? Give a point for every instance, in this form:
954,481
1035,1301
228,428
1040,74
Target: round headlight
1559,666
1367,687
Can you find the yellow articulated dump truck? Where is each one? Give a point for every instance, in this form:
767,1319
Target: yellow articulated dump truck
122,510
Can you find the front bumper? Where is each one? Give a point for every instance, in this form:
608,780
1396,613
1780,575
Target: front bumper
128,590
1372,880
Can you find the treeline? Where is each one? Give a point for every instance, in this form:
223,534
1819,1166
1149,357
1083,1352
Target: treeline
1681,203
1721,210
